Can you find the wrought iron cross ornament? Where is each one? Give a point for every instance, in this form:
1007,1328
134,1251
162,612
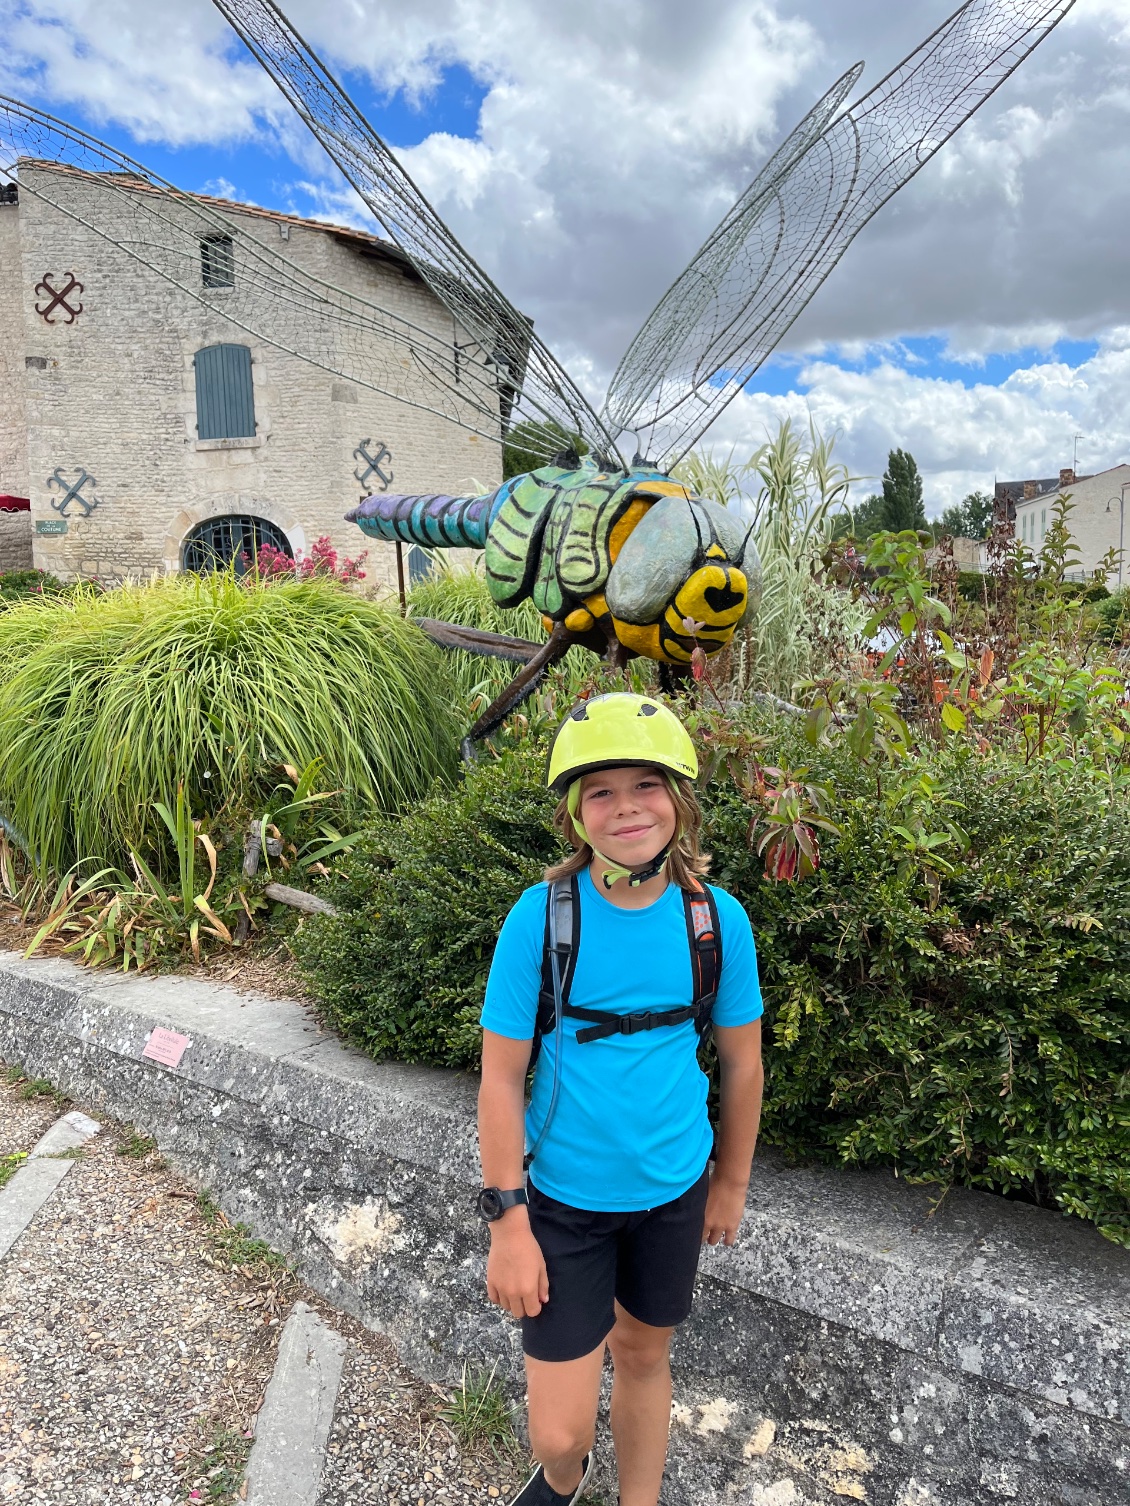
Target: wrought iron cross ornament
57,298
72,492
373,464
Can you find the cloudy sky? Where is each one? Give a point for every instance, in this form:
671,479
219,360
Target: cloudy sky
583,150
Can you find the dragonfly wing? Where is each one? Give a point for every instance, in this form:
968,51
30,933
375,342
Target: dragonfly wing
271,297
761,266
534,388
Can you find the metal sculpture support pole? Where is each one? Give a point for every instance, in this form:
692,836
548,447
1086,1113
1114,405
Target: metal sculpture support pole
400,578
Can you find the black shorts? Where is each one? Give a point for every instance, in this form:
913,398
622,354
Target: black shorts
646,1261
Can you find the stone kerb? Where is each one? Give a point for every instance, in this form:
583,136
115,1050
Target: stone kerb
857,1341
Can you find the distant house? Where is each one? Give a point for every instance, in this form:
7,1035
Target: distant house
1096,520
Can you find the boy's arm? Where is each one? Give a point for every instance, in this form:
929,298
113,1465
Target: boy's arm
516,1277
741,1082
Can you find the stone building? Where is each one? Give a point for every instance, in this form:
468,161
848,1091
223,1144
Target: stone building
1096,521
150,433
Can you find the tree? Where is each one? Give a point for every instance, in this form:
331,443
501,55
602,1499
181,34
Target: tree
864,520
526,443
971,518
902,493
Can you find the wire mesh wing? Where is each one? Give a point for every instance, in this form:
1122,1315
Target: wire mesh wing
538,391
414,353
721,319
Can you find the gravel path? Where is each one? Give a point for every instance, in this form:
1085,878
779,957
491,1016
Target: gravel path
137,1336
388,1442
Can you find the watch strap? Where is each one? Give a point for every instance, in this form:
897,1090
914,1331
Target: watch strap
512,1198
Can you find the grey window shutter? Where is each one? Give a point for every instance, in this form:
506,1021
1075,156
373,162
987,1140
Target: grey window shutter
225,399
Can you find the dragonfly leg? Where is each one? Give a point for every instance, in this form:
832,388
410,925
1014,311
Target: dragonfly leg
672,678
523,684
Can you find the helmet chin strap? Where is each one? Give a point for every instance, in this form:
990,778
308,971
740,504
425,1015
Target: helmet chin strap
611,871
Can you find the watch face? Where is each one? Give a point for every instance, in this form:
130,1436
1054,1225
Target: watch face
490,1204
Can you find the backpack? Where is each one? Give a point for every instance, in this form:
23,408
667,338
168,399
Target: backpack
563,936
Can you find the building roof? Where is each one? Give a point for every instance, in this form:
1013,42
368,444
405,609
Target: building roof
363,241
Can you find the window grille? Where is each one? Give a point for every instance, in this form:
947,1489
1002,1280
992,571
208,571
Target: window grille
217,261
225,397
237,539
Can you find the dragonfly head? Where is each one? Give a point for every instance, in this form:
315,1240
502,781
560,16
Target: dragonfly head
687,575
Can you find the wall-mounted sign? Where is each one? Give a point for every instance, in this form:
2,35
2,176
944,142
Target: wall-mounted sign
52,525
72,492
373,466
52,298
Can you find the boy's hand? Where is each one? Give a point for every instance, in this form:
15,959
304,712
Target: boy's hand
516,1275
725,1204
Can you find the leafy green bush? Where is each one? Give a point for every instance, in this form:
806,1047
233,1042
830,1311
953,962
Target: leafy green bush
402,969
1114,615
109,702
983,1040
17,585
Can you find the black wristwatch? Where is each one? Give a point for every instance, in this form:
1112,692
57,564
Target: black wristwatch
492,1203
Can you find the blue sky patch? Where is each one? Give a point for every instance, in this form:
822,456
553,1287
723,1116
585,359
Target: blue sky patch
261,172
922,356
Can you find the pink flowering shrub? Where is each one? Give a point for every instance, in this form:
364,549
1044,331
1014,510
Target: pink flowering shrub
271,564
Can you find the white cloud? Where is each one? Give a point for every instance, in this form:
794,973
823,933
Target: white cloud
962,437
613,137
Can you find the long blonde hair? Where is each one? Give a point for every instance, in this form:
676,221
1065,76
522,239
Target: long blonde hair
686,862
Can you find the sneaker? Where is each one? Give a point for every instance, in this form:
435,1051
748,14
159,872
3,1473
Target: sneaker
538,1492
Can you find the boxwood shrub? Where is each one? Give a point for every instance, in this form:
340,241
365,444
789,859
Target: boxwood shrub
983,1042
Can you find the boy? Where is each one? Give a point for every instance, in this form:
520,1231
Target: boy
602,1247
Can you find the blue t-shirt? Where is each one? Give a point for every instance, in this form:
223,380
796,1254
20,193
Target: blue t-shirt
630,1130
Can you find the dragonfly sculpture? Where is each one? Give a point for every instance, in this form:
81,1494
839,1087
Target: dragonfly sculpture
617,556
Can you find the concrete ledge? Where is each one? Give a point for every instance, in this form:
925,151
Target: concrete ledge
851,1344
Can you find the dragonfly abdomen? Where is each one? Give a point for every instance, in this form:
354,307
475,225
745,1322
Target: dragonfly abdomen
436,522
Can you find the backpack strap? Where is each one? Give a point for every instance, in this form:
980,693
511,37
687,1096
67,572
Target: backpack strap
563,917
704,932
604,1024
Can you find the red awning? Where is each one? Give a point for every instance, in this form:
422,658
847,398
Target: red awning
15,504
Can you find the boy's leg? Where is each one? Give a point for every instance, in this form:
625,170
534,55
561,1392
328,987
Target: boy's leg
563,1398
641,1406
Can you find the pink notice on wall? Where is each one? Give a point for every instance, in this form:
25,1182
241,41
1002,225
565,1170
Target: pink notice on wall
166,1047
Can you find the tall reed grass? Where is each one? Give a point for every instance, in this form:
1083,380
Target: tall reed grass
790,491
110,702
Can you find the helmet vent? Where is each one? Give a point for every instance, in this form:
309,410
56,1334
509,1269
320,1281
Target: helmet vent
648,710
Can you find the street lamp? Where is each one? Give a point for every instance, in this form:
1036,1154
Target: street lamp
1121,500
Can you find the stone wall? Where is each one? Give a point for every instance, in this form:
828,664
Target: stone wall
865,1340
114,393
13,428
15,541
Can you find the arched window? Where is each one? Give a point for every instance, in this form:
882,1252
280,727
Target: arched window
214,545
225,398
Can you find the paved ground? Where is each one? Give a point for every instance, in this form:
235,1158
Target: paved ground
137,1336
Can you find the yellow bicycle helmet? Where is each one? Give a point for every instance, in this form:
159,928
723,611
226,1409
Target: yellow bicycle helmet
611,731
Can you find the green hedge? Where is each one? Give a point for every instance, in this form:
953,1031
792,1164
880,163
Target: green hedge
18,585
984,1042
402,970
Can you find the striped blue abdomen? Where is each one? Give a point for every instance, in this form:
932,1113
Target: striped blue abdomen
436,522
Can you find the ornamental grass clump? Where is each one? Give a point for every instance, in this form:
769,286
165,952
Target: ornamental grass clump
110,703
